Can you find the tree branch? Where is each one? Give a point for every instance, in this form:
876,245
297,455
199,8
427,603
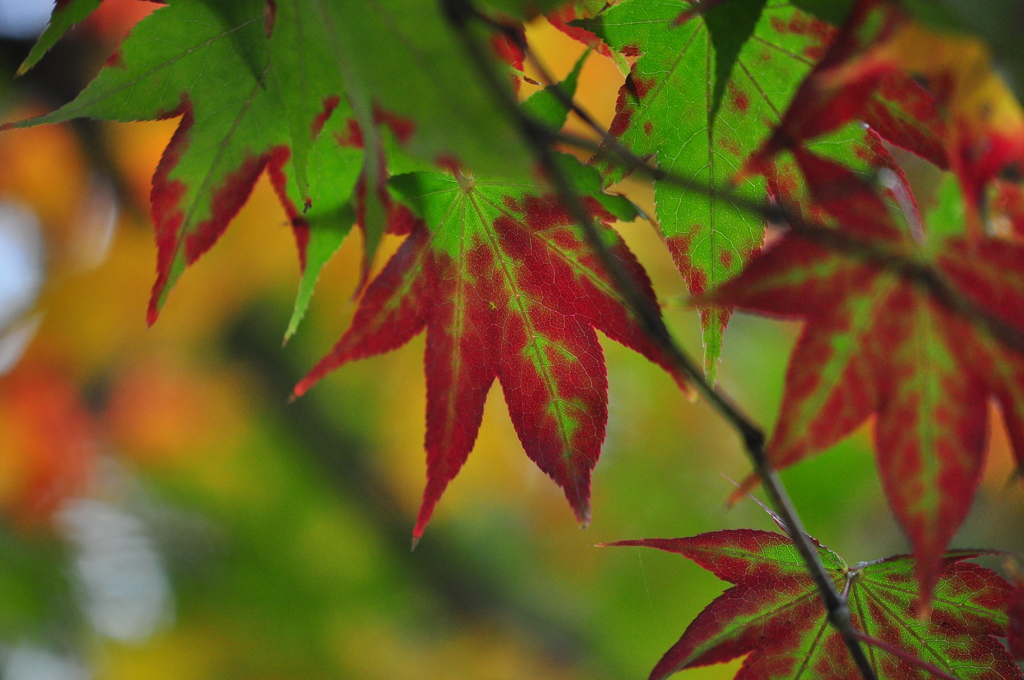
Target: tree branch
540,140
934,281
941,290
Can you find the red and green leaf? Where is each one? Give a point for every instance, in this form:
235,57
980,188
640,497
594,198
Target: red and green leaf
663,112
774,614
895,106
506,288
213,65
980,132
878,343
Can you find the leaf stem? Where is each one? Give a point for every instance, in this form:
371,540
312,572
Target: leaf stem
540,139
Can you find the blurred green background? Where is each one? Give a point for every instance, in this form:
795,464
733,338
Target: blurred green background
166,514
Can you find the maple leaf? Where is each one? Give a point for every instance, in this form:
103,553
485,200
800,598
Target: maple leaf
66,13
506,287
664,111
877,342
905,114
403,64
403,67
567,20
981,132
548,105
212,64
774,613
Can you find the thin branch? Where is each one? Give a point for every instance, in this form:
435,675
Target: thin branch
941,290
936,283
540,141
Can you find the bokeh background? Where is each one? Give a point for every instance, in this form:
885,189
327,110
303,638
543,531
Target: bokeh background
164,513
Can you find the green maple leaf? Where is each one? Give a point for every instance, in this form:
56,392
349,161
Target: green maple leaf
256,83
404,64
212,64
774,616
699,99
65,15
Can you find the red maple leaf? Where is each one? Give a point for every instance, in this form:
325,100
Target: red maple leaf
895,106
973,123
878,342
774,614
506,288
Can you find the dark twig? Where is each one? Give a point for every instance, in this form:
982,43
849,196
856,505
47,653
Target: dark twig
839,240
834,239
540,140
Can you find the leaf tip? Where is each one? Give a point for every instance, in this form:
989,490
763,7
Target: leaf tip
683,17
415,542
742,490
583,515
153,313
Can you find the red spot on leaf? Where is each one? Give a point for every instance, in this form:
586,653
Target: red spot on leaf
269,17
741,101
330,103
679,246
401,127
641,86
630,51
814,52
648,128
352,137
731,146
115,60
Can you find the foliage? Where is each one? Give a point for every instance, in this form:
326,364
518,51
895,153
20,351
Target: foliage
771,614
402,117
876,342
506,289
